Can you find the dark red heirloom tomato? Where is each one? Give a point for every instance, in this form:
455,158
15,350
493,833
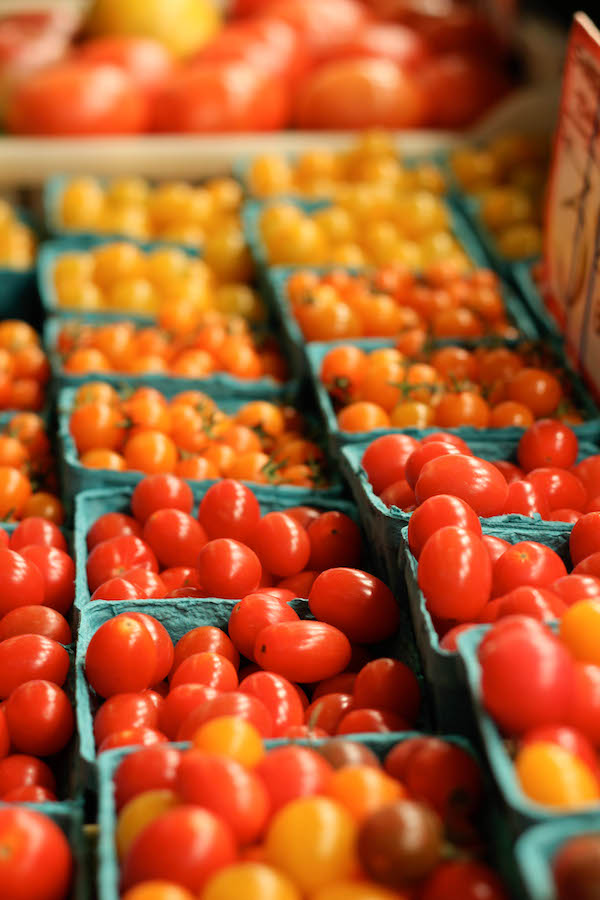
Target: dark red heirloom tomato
35,620
385,458
281,544
303,651
291,772
228,569
280,697
229,509
526,563
58,572
110,525
251,615
21,582
160,491
175,536
35,530
455,574
116,556
335,540
357,603
36,861
40,718
26,657
121,657
145,770
476,481
434,513
548,443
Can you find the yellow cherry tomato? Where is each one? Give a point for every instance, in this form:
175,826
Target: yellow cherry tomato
82,203
313,841
157,890
363,789
232,737
139,812
117,260
356,890
250,881
580,630
552,776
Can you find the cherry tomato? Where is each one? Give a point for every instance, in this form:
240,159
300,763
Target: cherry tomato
299,584
146,61
569,739
553,776
253,880
476,481
385,458
526,499
162,491
360,605
229,509
495,546
302,650
463,878
388,684
58,571
399,494
228,568
291,772
118,589
359,721
138,813
20,770
251,615
342,20
327,711
21,582
561,488
461,588
449,641
26,657
585,537
33,793
205,638
588,472
36,530
116,556
121,657
232,737
123,711
281,544
39,718
35,620
526,563
548,443
175,536
279,696
588,566
526,600
423,454
188,843
207,668
445,776
565,515
128,737
509,470
571,588
271,45
235,703
36,861
147,583
585,702
470,86
435,513
150,768
335,540
112,524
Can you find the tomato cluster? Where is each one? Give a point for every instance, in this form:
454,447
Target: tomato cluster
369,224
17,241
545,479
166,283
328,822
24,368
189,436
170,211
508,177
228,550
448,387
36,718
36,853
28,482
221,343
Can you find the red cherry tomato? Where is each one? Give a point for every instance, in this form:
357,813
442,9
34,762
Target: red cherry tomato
162,644
4,735
26,657
335,540
207,668
35,620
229,509
121,657
146,61
37,861
584,709
526,563
148,769
388,684
526,499
160,491
291,772
360,93
565,515
423,454
399,494
339,684
571,588
21,582
495,546
279,696
476,481
187,842
445,776
223,786
235,703
118,589
228,569
251,615
562,489
526,600
35,530
509,470
148,583
302,650
380,721
128,737
282,594
281,544
203,638
447,437
116,556
548,443
299,584
40,718
110,525
73,99
305,515
585,537
328,711
461,587
179,703
402,45
123,711
526,675
436,512
20,770
58,571
179,577
588,472
588,566
33,793
357,603
385,458
175,536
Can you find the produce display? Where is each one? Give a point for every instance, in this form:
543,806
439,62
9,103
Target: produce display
25,370
486,387
17,240
372,224
166,283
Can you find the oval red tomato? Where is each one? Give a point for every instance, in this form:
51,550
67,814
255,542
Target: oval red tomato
359,604
474,480
121,657
460,588
36,860
526,563
435,513
303,650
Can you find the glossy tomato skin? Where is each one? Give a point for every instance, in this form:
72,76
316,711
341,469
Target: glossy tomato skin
561,488
461,588
380,721
584,709
26,657
526,563
281,544
476,481
117,589
568,738
357,603
291,772
228,569
124,711
585,537
360,93
37,862
203,638
160,491
19,770
435,513
526,600
423,454
571,588
115,557
73,99
509,470
35,620
58,572
179,703
207,668
235,703
279,696
175,537
33,793
120,657
229,509
388,684
21,582
162,644
223,96
327,711
251,615
112,524
146,61
335,540
526,499
188,841
4,735
385,458
548,443
150,768
35,530
445,776
40,718
303,650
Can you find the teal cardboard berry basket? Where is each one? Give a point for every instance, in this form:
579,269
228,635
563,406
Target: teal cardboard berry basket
520,274
537,847
444,669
